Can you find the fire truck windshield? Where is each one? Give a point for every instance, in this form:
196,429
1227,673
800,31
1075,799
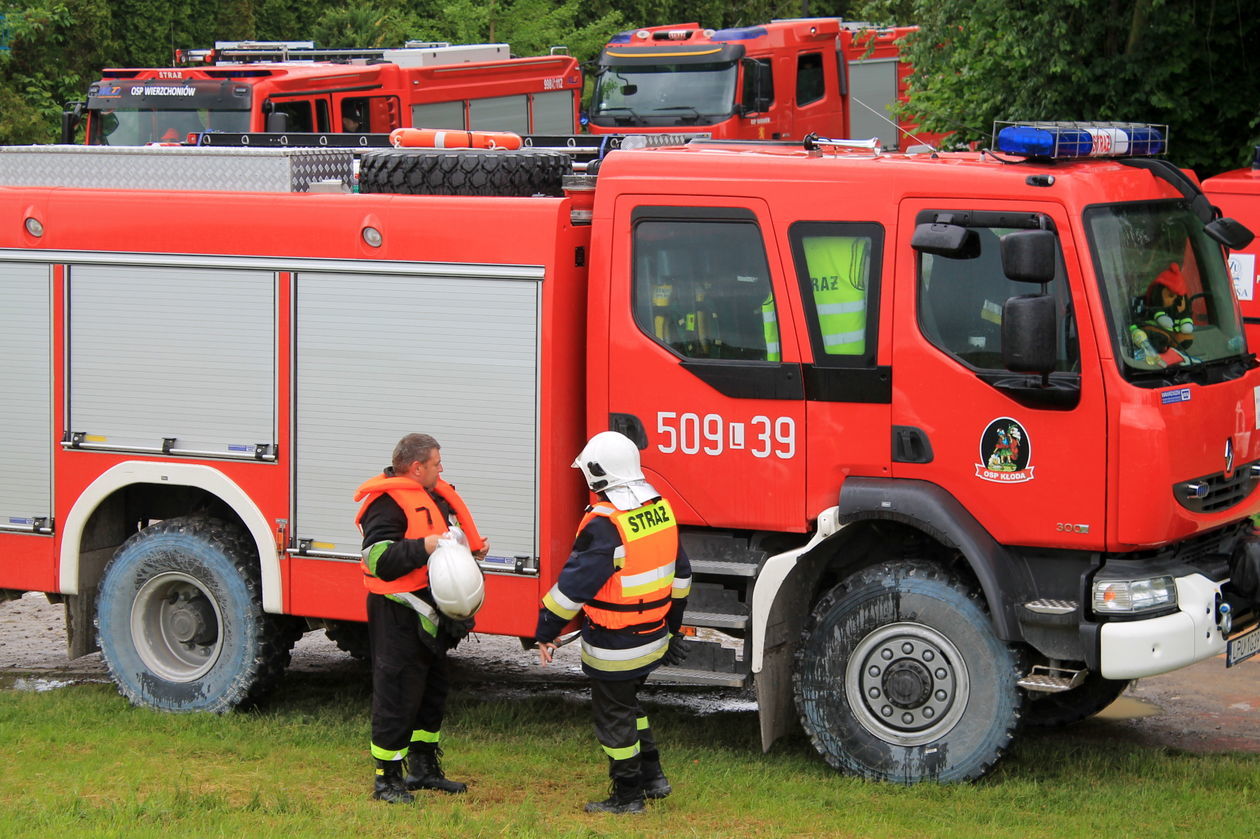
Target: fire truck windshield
135,112
1169,295
137,126
664,94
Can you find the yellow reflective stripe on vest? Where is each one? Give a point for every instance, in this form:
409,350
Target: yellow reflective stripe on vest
619,661
636,524
633,585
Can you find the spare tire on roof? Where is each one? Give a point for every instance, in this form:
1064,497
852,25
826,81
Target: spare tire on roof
463,172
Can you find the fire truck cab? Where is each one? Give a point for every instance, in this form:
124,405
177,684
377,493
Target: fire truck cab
294,86
934,475
1237,193
780,80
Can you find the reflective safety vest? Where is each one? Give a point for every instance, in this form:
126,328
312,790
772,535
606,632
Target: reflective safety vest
639,591
770,328
838,272
424,518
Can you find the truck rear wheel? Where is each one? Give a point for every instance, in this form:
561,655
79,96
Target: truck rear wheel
1048,710
899,677
463,172
181,622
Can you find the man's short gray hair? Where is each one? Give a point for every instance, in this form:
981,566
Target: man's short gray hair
411,448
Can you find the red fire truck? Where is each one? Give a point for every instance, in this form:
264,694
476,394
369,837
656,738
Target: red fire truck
293,86
1238,193
930,483
779,80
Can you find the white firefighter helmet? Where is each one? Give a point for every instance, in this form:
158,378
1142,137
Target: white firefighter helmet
455,580
610,464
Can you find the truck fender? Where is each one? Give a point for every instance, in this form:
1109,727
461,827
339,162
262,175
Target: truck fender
206,478
928,507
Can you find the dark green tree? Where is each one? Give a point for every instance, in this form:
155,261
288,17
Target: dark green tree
1190,64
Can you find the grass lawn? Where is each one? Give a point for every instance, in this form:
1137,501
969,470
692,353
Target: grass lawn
79,761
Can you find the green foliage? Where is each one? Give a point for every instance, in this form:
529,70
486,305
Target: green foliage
1190,65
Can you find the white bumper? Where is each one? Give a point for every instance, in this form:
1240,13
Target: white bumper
1134,649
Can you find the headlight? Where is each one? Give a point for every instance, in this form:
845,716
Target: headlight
1126,597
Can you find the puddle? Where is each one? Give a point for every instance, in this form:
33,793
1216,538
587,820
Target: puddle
1128,708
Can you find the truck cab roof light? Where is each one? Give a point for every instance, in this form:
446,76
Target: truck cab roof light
1073,140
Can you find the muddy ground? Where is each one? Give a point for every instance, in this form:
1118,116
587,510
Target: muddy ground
1204,708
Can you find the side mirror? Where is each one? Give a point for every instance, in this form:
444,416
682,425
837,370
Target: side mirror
1232,234
277,122
1028,256
757,88
1029,326
951,240
71,118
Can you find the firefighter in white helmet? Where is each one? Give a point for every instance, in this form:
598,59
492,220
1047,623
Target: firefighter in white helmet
406,512
629,576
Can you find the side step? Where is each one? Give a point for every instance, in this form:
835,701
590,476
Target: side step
708,663
1045,679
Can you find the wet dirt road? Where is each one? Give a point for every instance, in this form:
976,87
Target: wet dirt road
1205,708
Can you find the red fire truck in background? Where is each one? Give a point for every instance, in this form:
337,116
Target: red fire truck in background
779,80
293,86
1237,193
931,484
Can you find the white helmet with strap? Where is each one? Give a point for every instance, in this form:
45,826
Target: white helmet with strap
455,580
610,464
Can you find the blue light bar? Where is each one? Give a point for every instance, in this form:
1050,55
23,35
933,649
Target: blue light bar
1067,140
746,33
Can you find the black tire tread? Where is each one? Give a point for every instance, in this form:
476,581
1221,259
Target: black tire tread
487,172
910,568
278,633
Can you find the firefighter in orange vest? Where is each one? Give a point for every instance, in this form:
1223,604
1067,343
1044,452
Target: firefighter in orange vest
404,512
630,577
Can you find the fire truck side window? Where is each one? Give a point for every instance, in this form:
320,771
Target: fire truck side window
837,265
702,289
809,78
960,304
299,115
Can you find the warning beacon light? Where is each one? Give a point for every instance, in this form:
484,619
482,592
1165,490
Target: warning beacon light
1067,140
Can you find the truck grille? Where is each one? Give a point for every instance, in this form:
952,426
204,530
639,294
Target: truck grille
1213,493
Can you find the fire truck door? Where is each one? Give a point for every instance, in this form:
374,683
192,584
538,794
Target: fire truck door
1029,462
703,370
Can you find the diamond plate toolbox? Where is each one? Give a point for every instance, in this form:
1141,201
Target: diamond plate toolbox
176,167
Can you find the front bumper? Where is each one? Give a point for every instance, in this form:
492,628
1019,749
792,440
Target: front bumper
1138,648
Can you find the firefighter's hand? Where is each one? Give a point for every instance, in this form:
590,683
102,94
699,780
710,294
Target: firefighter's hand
677,652
431,542
545,652
481,554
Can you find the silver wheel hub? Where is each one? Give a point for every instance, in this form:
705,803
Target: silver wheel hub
175,627
907,683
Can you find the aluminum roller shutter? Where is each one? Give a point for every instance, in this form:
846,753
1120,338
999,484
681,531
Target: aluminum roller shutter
161,352
26,444
383,356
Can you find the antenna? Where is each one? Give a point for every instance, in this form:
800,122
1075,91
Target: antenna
885,118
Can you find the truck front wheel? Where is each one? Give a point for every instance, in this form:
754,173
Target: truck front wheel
899,677
181,622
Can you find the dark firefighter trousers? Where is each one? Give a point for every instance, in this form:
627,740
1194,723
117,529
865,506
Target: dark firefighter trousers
409,679
621,726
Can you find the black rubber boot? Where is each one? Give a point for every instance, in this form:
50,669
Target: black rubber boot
625,796
626,793
389,786
652,779
424,771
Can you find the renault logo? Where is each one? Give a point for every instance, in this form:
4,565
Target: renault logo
1229,458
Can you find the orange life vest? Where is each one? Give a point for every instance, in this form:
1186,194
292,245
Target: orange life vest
639,591
423,519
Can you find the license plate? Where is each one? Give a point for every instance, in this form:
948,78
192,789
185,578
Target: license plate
1242,648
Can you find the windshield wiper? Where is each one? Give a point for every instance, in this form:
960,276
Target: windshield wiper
634,116
697,115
